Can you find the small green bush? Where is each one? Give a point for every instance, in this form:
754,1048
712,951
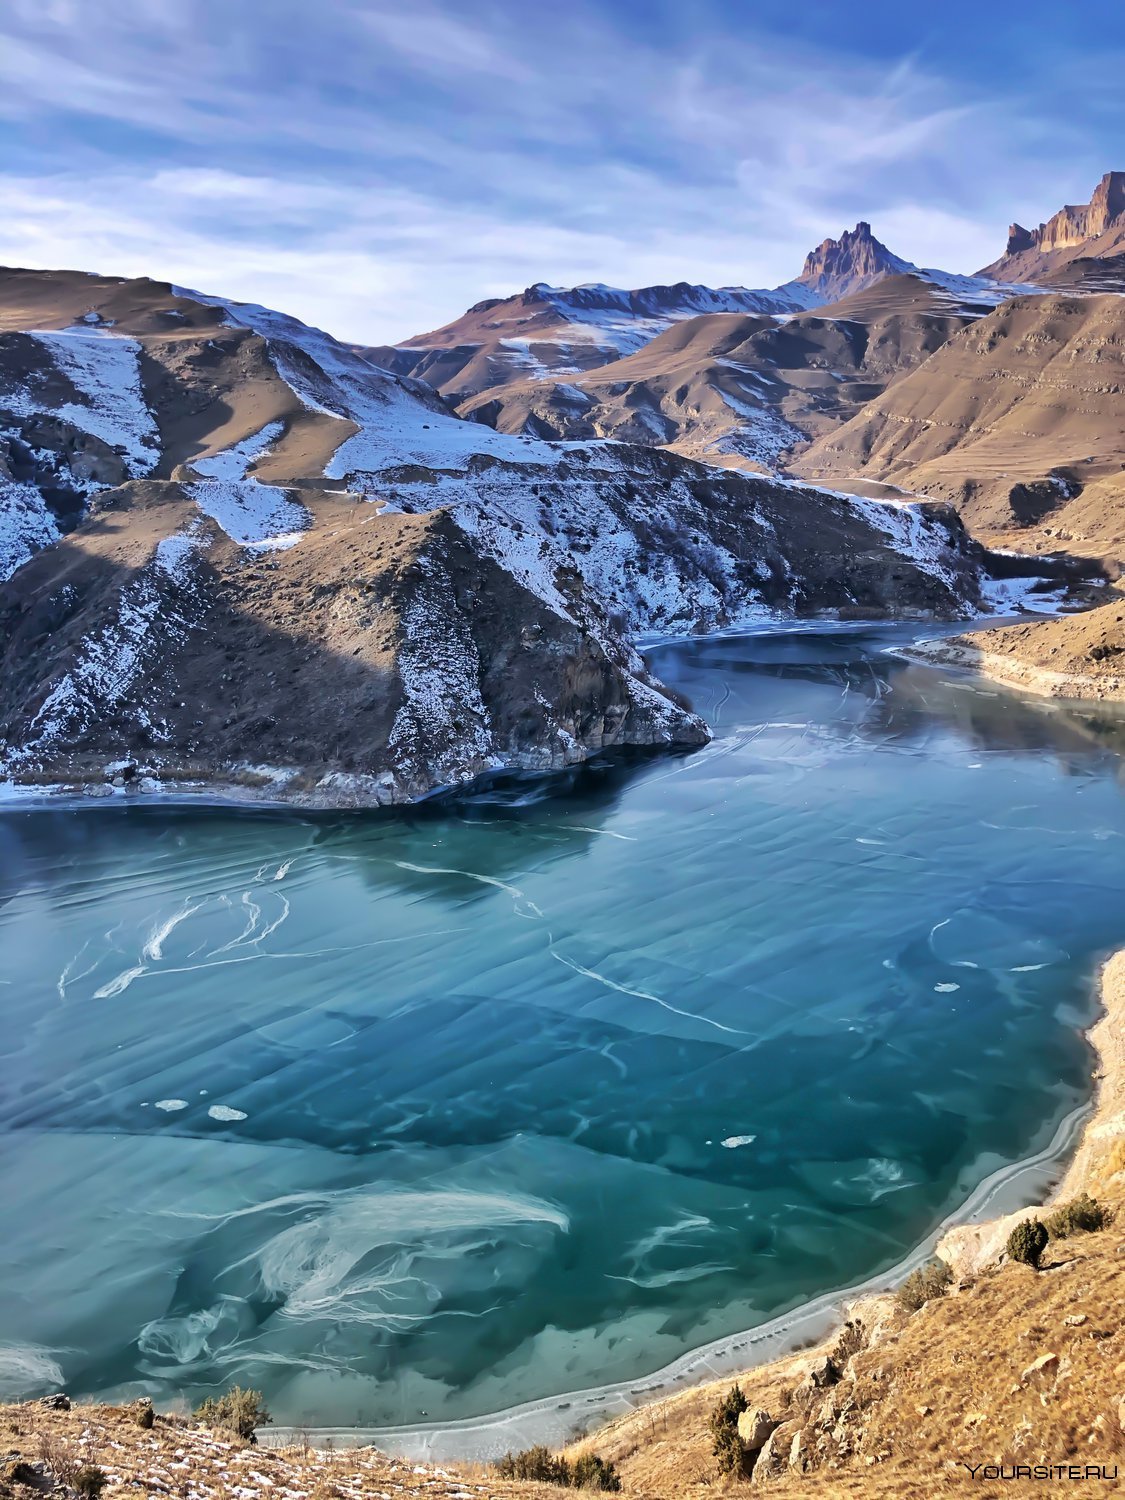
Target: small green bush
587,1473
923,1285
726,1444
236,1411
1027,1242
730,1455
90,1481
1081,1215
593,1473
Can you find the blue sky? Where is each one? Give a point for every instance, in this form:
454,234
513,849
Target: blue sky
375,167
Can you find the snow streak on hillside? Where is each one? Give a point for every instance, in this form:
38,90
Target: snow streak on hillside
104,371
255,515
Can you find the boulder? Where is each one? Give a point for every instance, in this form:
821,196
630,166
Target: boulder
1046,1364
773,1460
821,1372
754,1427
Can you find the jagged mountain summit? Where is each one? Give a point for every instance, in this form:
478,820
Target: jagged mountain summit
549,331
1083,245
237,553
837,268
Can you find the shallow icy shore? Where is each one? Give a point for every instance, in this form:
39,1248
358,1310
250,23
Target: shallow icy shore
558,1420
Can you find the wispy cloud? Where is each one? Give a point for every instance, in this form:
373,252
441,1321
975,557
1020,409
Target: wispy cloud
375,167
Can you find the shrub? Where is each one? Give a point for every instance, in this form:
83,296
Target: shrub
236,1411
730,1455
587,1473
850,1340
1027,1242
923,1285
726,1444
90,1481
593,1473
144,1414
58,1458
1080,1216
535,1463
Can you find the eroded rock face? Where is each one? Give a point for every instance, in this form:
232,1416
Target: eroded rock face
1092,230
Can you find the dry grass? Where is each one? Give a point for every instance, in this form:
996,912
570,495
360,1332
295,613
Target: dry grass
178,1459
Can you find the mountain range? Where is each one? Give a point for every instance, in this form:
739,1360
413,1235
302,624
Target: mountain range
236,552
547,330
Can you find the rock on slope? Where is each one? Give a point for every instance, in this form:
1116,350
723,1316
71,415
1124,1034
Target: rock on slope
742,388
1017,419
262,560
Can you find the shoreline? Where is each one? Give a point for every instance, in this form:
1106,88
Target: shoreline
264,787
966,1238
800,1330
1034,1180
1015,674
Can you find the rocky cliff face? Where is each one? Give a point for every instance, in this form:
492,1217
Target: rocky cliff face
237,552
1080,231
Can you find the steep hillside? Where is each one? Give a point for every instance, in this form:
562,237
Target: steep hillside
733,388
237,552
1017,419
1081,245
547,332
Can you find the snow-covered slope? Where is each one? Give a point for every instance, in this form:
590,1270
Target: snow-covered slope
341,580
72,419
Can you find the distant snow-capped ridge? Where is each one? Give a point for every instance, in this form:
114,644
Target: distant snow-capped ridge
680,300
547,331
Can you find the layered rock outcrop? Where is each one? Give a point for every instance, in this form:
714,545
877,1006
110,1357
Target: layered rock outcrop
1087,232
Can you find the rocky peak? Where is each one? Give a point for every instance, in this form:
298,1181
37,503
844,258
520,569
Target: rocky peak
1019,239
837,268
1077,222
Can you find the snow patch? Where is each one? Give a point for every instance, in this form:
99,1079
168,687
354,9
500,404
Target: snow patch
258,516
109,661
104,369
762,436
26,525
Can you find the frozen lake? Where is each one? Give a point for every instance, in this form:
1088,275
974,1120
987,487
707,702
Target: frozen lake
411,1118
